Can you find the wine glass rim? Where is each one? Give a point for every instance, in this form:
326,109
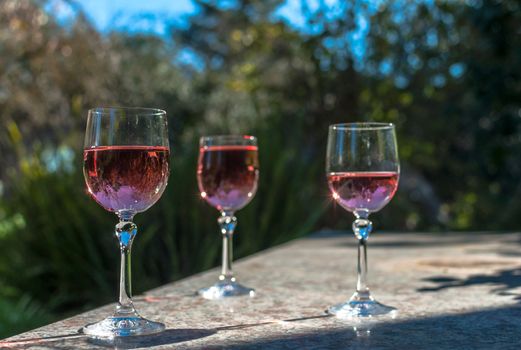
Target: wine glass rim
362,126
142,111
231,137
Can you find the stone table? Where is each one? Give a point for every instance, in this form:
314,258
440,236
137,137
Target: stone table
453,291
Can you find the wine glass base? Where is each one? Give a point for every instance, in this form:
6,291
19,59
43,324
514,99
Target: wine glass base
361,309
122,326
226,289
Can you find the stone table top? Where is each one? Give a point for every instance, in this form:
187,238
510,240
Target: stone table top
453,291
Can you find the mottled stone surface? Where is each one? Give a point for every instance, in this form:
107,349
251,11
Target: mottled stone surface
453,291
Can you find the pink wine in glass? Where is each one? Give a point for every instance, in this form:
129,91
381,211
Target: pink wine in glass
369,191
130,178
227,175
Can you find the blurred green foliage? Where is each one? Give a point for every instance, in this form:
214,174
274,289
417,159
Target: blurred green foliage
447,73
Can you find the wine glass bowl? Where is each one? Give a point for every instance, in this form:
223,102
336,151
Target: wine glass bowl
357,191
363,172
227,176
114,183
126,169
228,171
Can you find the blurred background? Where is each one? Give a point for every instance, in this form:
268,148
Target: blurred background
447,73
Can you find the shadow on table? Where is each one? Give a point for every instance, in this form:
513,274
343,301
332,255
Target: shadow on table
251,325
76,340
503,281
487,329
168,337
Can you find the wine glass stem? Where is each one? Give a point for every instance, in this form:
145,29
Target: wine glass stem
227,221
125,232
361,285
125,282
227,271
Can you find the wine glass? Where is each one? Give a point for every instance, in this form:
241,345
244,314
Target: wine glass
125,165
362,171
227,175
